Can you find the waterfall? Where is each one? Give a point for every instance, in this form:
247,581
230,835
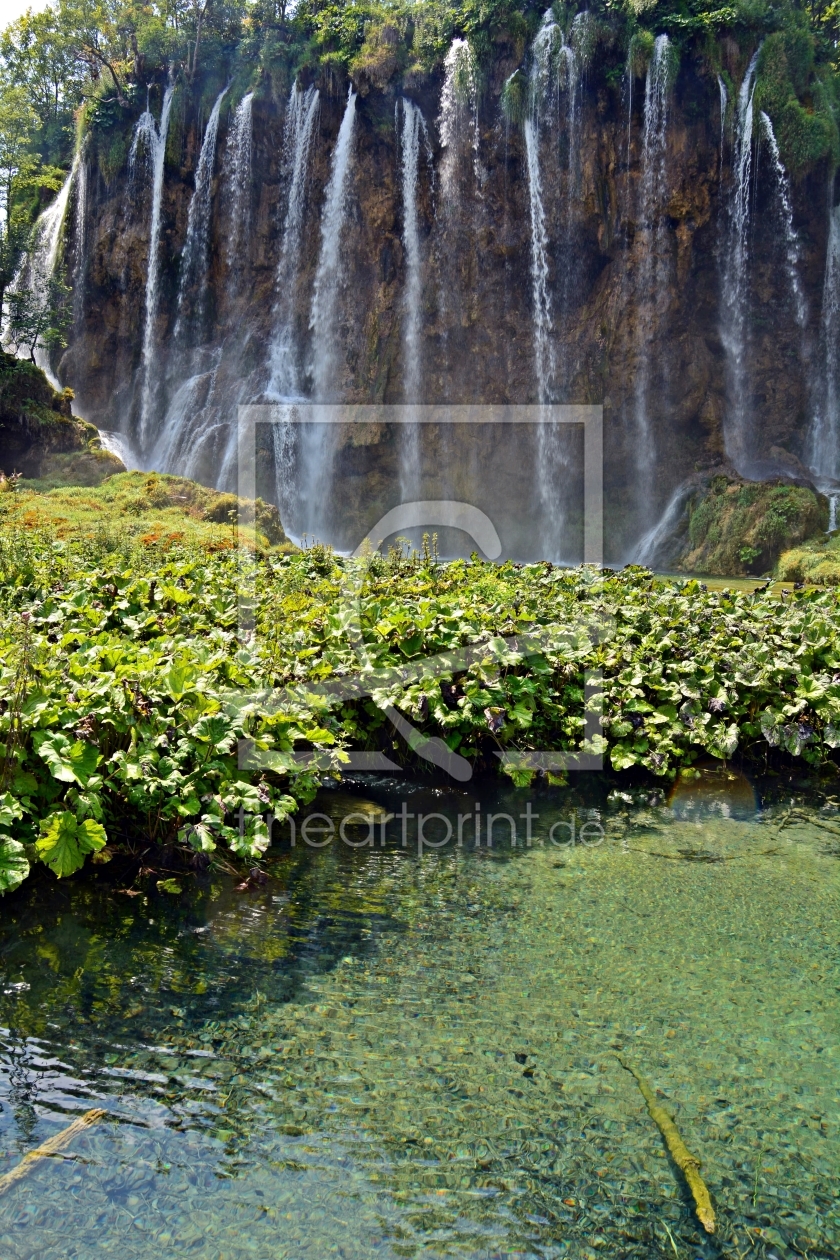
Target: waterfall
554,111
43,255
629,80
791,240
194,259
571,59
153,139
540,83
316,445
459,114
301,117
119,445
824,444
735,279
652,278
724,101
80,244
39,266
191,421
832,512
543,348
413,132
652,543
239,169
330,274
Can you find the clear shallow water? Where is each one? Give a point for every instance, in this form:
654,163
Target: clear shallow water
375,1053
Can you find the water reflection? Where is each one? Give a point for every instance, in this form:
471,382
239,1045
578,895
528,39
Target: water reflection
713,789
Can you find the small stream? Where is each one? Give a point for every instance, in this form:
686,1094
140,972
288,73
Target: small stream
377,1052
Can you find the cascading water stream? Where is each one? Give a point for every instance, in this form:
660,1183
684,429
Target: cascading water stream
301,117
316,445
80,243
239,179
553,109
786,208
330,274
542,53
39,266
824,438
284,383
652,545
651,287
572,58
459,214
412,134
192,287
190,372
458,118
724,101
152,137
735,280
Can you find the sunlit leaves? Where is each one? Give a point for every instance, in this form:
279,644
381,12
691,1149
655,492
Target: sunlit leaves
69,762
64,842
14,867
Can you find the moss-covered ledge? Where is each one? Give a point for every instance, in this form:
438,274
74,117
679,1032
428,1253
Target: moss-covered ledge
40,438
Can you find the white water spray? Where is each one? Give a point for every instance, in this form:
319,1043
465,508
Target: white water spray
238,165
150,137
192,288
735,279
412,135
543,52
786,209
301,117
458,117
330,274
824,444
652,279
652,544
316,441
38,267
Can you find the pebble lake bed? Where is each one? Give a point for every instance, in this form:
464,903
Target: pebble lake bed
367,1051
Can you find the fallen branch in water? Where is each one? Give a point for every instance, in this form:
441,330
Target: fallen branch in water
697,855
796,816
688,1164
51,1147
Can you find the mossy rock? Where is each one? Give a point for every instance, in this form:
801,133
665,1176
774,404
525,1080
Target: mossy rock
816,563
40,438
796,103
740,528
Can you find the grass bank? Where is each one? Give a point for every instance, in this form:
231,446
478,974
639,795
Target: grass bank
132,670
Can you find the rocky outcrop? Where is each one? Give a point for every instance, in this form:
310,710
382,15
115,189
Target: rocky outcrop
40,438
739,527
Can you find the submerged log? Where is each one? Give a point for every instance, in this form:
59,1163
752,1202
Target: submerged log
688,1164
51,1147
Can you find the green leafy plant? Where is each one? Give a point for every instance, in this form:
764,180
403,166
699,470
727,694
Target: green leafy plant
64,842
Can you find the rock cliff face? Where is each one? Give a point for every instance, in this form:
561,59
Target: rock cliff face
584,260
